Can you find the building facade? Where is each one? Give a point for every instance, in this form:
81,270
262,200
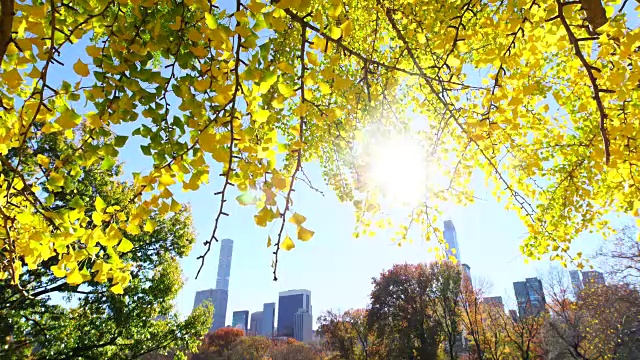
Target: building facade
289,302
255,324
224,264
592,277
303,326
218,298
451,238
576,282
268,320
494,302
240,320
530,297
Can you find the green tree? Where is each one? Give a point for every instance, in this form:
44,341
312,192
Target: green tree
99,324
402,314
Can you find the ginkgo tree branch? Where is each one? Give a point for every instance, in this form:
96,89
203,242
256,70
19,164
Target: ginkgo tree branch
575,42
229,165
525,205
339,43
6,22
298,166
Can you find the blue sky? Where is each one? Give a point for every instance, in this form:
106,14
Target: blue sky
334,266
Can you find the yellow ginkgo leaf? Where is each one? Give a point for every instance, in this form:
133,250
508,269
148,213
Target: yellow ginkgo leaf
287,244
58,271
12,78
269,242
81,68
279,181
297,219
261,115
55,180
304,234
68,119
285,90
149,226
74,277
346,28
43,160
175,206
166,180
116,289
125,245
100,204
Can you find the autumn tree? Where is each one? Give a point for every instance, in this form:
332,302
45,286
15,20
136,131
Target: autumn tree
612,320
96,323
446,301
522,334
621,256
218,343
565,336
349,334
253,91
294,350
249,348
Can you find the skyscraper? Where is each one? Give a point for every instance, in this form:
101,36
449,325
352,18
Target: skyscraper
576,283
220,295
302,325
530,297
256,322
268,319
451,239
494,302
240,320
289,303
224,264
592,277
218,298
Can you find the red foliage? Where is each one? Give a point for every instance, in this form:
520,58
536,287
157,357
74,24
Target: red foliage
222,339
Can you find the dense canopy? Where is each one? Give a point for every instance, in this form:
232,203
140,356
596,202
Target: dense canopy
540,96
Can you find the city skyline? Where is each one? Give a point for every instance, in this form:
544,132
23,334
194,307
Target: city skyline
224,266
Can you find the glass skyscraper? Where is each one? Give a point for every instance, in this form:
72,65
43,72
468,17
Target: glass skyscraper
240,320
530,297
451,239
219,299
268,320
289,303
576,283
256,322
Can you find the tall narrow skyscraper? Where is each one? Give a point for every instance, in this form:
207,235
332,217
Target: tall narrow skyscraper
224,264
451,239
220,295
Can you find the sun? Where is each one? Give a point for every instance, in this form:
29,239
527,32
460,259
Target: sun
398,167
